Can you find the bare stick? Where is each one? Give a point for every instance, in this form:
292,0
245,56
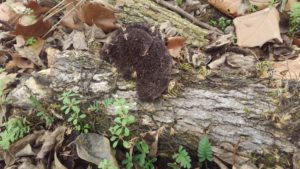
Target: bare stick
188,16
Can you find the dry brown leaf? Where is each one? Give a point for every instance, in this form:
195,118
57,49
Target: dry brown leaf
50,140
228,7
289,69
235,8
37,29
257,28
96,13
18,61
70,18
32,52
174,45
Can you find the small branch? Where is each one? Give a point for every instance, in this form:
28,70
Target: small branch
189,16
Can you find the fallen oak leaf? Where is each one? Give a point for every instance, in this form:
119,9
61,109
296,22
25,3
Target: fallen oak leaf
257,28
37,29
96,13
174,45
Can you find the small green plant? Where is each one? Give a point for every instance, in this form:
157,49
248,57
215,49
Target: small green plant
30,41
222,23
106,164
123,120
41,111
295,18
204,149
128,161
182,159
253,8
179,2
141,157
95,107
263,69
71,107
15,128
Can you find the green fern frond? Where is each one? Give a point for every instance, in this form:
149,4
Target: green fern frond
204,149
182,158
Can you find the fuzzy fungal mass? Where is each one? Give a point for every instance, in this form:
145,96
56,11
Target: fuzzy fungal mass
139,48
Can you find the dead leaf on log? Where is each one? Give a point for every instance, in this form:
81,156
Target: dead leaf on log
32,52
289,69
257,28
174,45
96,13
19,61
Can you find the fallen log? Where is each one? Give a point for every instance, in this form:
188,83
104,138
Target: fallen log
231,111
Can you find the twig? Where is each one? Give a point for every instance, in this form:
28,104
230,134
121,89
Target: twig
189,16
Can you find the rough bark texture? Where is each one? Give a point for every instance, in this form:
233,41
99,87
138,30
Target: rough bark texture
230,114
150,12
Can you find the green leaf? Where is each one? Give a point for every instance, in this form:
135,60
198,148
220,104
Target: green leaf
204,149
182,158
118,120
119,131
70,119
75,121
82,116
126,144
76,109
130,119
113,138
115,143
126,132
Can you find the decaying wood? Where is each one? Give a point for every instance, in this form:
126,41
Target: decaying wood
152,13
230,111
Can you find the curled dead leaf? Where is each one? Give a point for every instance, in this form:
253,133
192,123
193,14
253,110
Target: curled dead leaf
175,44
96,13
